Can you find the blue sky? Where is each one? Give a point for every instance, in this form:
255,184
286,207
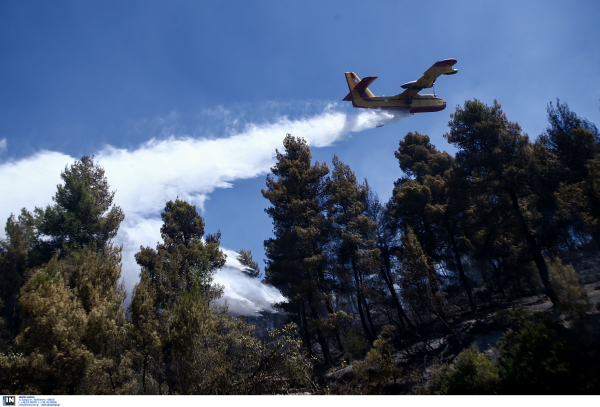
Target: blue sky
191,98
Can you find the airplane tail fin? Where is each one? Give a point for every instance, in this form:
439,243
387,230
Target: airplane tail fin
354,82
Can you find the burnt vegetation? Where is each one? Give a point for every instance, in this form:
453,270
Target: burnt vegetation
478,276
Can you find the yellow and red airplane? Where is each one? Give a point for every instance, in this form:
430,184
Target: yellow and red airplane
409,100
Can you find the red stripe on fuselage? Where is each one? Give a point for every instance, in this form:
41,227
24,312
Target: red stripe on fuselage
422,109
425,109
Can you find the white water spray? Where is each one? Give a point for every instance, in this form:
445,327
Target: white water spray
191,168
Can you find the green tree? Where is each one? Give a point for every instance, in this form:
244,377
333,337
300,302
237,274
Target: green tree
355,252
505,169
73,339
83,214
572,140
52,338
296,262
418,158
378,365
73,329
418,278
183,257
432,201
96,279
14,262
215,354
181,267
182,341
199,363
251,267
388,243
146,342
573,146
573,300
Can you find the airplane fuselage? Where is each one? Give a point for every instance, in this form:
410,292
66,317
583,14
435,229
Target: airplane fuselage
416,104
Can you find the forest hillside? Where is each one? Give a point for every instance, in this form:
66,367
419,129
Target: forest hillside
480,275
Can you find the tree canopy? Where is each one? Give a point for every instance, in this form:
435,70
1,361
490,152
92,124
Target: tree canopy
376,292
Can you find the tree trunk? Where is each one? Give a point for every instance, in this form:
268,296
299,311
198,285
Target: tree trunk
144,373
433,282
320,336
359,305
498,279
535,250
463,278
305,329
386,274
417,314
435,288
373,330
330,311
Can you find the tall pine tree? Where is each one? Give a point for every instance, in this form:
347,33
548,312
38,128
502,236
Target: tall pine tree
355,251
501,165
83,213
296,263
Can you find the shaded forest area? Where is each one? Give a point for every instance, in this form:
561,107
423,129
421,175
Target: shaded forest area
478,276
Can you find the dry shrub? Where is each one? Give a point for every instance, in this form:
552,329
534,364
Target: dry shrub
572,300
379,363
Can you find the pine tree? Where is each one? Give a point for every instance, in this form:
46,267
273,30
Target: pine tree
72,321
83,214
52,336
74,333
501,165
183,341
387,239
176,278
14,263
146,343
296,263
96,279
418,276
430,201
251,267
573,149
355,252
184,257
572,140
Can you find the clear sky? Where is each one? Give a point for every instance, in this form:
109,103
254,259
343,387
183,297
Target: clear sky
191,98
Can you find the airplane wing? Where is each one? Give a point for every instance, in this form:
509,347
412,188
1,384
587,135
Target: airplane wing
443,67
365,82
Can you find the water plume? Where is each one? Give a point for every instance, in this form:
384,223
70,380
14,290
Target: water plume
159,170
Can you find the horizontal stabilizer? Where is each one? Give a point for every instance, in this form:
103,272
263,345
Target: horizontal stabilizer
354,83
364,84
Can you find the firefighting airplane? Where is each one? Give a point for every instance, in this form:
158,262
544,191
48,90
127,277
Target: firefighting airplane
409,100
